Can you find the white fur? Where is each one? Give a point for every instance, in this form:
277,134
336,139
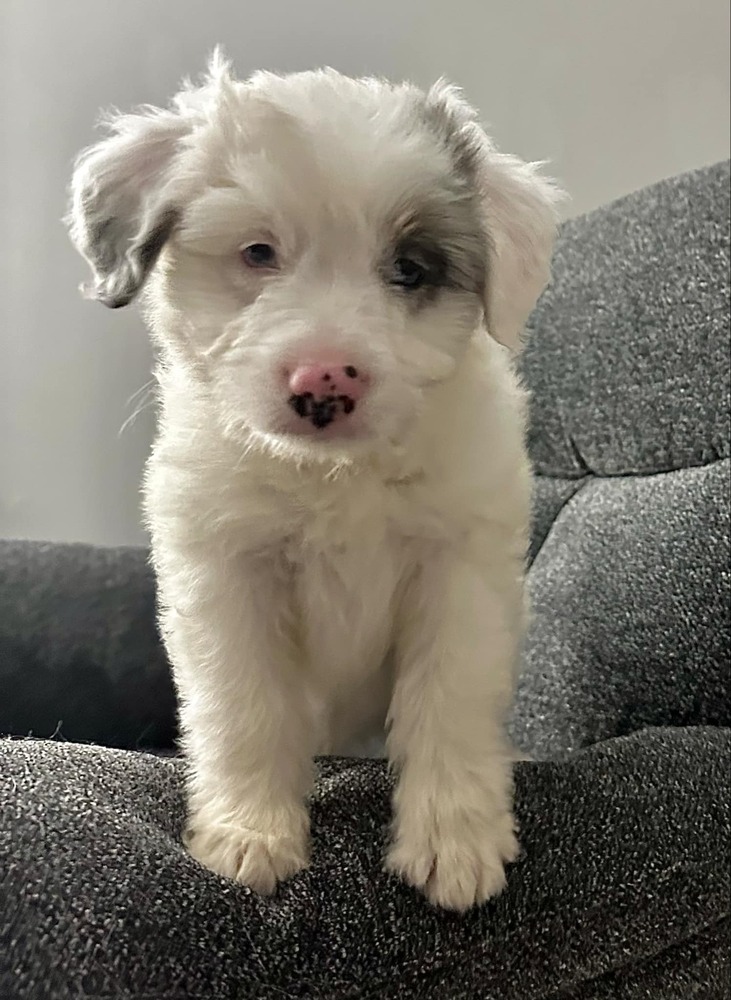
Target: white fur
314,588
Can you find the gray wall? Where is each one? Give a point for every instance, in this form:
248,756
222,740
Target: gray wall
618,93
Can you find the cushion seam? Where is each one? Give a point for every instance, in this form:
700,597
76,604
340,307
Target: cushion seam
607,976
477,958
578,487
575,475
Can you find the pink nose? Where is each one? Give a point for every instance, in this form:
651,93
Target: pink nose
326,391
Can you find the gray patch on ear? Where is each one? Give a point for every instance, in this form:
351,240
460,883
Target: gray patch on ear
452,123
121,268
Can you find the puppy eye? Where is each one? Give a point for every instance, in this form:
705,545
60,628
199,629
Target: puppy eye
407,273
261,255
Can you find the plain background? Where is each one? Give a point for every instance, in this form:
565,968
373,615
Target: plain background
616,93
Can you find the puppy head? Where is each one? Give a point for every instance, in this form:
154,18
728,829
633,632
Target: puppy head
320,249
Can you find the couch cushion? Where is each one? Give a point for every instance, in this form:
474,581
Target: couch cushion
98,897
80,653
627,353
628,361
631,611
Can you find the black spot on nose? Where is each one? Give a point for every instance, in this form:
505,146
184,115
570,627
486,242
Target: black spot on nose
350,371
301,403
323,413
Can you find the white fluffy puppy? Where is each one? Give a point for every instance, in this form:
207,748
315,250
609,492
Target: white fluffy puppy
336,272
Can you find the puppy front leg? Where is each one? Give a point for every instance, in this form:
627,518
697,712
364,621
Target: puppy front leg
455,659
244,717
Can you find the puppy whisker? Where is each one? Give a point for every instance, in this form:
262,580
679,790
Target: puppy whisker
141,400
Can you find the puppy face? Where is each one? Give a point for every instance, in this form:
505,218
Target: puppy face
321,249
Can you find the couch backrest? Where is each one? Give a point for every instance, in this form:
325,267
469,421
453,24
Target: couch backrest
628,362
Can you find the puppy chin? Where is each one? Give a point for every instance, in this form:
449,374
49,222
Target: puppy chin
372,430
345,432
301,442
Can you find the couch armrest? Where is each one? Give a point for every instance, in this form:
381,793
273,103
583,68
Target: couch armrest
80,655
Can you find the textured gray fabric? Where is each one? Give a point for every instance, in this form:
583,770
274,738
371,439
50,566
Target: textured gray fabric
628,351
631,612
550,496
630,372
79,651
698,968
89,838
623,892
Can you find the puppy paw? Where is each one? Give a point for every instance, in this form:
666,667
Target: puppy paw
256,859
456,866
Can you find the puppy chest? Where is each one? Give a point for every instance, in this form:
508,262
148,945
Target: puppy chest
346,574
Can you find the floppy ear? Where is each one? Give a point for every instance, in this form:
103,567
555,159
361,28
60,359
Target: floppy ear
519,209
123,201
127,191
521,219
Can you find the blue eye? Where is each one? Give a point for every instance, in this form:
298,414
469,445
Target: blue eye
261,255
407,273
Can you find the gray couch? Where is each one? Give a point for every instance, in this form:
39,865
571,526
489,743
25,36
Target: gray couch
625,705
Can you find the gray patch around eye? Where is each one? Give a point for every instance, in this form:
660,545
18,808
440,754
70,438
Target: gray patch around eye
446,238
447,226
121,268
426,253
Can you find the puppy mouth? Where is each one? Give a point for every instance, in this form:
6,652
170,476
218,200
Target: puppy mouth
321,412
